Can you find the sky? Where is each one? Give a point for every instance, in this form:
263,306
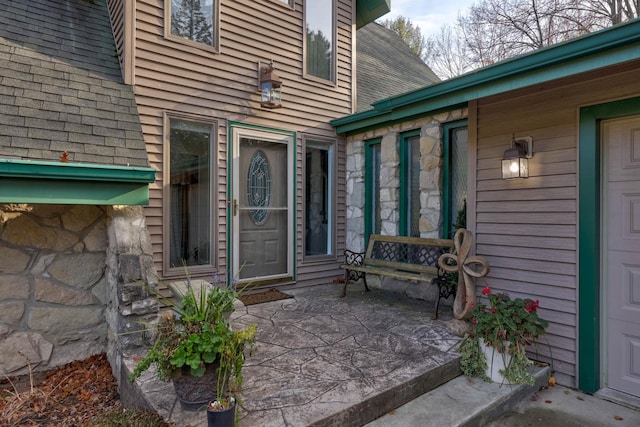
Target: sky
429,15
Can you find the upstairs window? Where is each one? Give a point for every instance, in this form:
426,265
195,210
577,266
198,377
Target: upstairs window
320,39
194,21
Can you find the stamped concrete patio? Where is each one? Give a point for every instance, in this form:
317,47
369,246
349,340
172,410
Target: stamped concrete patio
324,360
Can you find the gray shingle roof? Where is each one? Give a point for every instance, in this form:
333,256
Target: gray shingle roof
386,66
61,88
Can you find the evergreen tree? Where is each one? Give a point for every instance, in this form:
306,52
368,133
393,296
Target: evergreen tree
188,20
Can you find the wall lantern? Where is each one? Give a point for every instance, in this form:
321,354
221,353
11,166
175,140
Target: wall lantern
515,161
270,87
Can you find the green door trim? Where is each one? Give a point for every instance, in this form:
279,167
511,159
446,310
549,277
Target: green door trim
589,255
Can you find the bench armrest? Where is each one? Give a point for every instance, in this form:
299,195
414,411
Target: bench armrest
353,258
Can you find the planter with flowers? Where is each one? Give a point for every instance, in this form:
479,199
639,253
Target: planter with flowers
495,349
196,347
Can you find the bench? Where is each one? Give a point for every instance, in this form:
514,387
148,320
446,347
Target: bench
404,258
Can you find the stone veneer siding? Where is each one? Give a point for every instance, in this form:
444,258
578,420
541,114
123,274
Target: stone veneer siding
431,138
70,282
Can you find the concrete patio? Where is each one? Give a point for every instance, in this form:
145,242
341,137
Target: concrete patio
324,360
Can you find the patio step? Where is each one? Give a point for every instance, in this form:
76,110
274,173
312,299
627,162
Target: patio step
463,402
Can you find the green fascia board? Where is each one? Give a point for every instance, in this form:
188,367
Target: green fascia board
25,181
370,10
593,51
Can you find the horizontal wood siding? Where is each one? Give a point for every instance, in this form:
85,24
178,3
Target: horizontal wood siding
527,228
179,78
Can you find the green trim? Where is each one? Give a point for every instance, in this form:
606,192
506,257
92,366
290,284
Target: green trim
447,209
40,182
593,51
368,187
589,256
369,10
405,183
294,136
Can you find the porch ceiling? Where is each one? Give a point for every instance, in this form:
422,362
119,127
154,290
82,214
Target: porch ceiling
370,10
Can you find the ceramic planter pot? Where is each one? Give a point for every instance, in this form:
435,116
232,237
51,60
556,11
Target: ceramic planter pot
496,362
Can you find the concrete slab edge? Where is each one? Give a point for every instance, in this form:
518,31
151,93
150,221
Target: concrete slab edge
507,400
383,403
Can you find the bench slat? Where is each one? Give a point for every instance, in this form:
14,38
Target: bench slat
425,276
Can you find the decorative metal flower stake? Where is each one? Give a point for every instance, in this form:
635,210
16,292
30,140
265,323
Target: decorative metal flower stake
466,267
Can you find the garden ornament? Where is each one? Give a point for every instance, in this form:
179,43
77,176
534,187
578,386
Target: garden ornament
467,268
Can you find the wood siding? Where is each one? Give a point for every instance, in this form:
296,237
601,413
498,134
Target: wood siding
527,228
178,78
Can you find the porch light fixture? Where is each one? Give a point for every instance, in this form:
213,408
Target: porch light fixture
515,161
270,87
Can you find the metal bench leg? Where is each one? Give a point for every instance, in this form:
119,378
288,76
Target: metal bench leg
346,282
364,279
435,312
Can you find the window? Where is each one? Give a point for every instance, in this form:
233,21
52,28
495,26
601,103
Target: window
194,21
319,198
372,219
410,184
454,182
188,205
320,46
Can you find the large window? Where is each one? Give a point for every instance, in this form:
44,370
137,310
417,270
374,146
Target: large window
410,184
373,219
320,39
319,198
193,20
454,182
189,199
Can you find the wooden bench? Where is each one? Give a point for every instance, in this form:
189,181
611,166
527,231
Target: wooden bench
404,258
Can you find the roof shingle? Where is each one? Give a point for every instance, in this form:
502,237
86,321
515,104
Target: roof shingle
61,88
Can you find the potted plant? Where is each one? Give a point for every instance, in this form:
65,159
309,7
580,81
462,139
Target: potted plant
195,344
221,410
495,349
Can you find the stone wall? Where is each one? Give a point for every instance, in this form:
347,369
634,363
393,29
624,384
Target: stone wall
71,284
53,289
431,139
430,177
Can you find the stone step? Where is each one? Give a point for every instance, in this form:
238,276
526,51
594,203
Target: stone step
462,402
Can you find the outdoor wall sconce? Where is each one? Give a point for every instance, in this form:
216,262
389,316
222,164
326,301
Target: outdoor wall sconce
270,86
515,161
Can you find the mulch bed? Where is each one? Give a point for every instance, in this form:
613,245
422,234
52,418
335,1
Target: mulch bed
77,394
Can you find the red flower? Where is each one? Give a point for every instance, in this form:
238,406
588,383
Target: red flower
486,291
473,304
532,306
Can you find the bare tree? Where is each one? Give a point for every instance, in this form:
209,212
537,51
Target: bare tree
494,30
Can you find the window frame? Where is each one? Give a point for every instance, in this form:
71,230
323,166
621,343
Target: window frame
329,145
334,54
404,226
178,271
214,47
447,130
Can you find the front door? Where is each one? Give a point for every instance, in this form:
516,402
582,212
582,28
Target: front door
262,206
621,172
